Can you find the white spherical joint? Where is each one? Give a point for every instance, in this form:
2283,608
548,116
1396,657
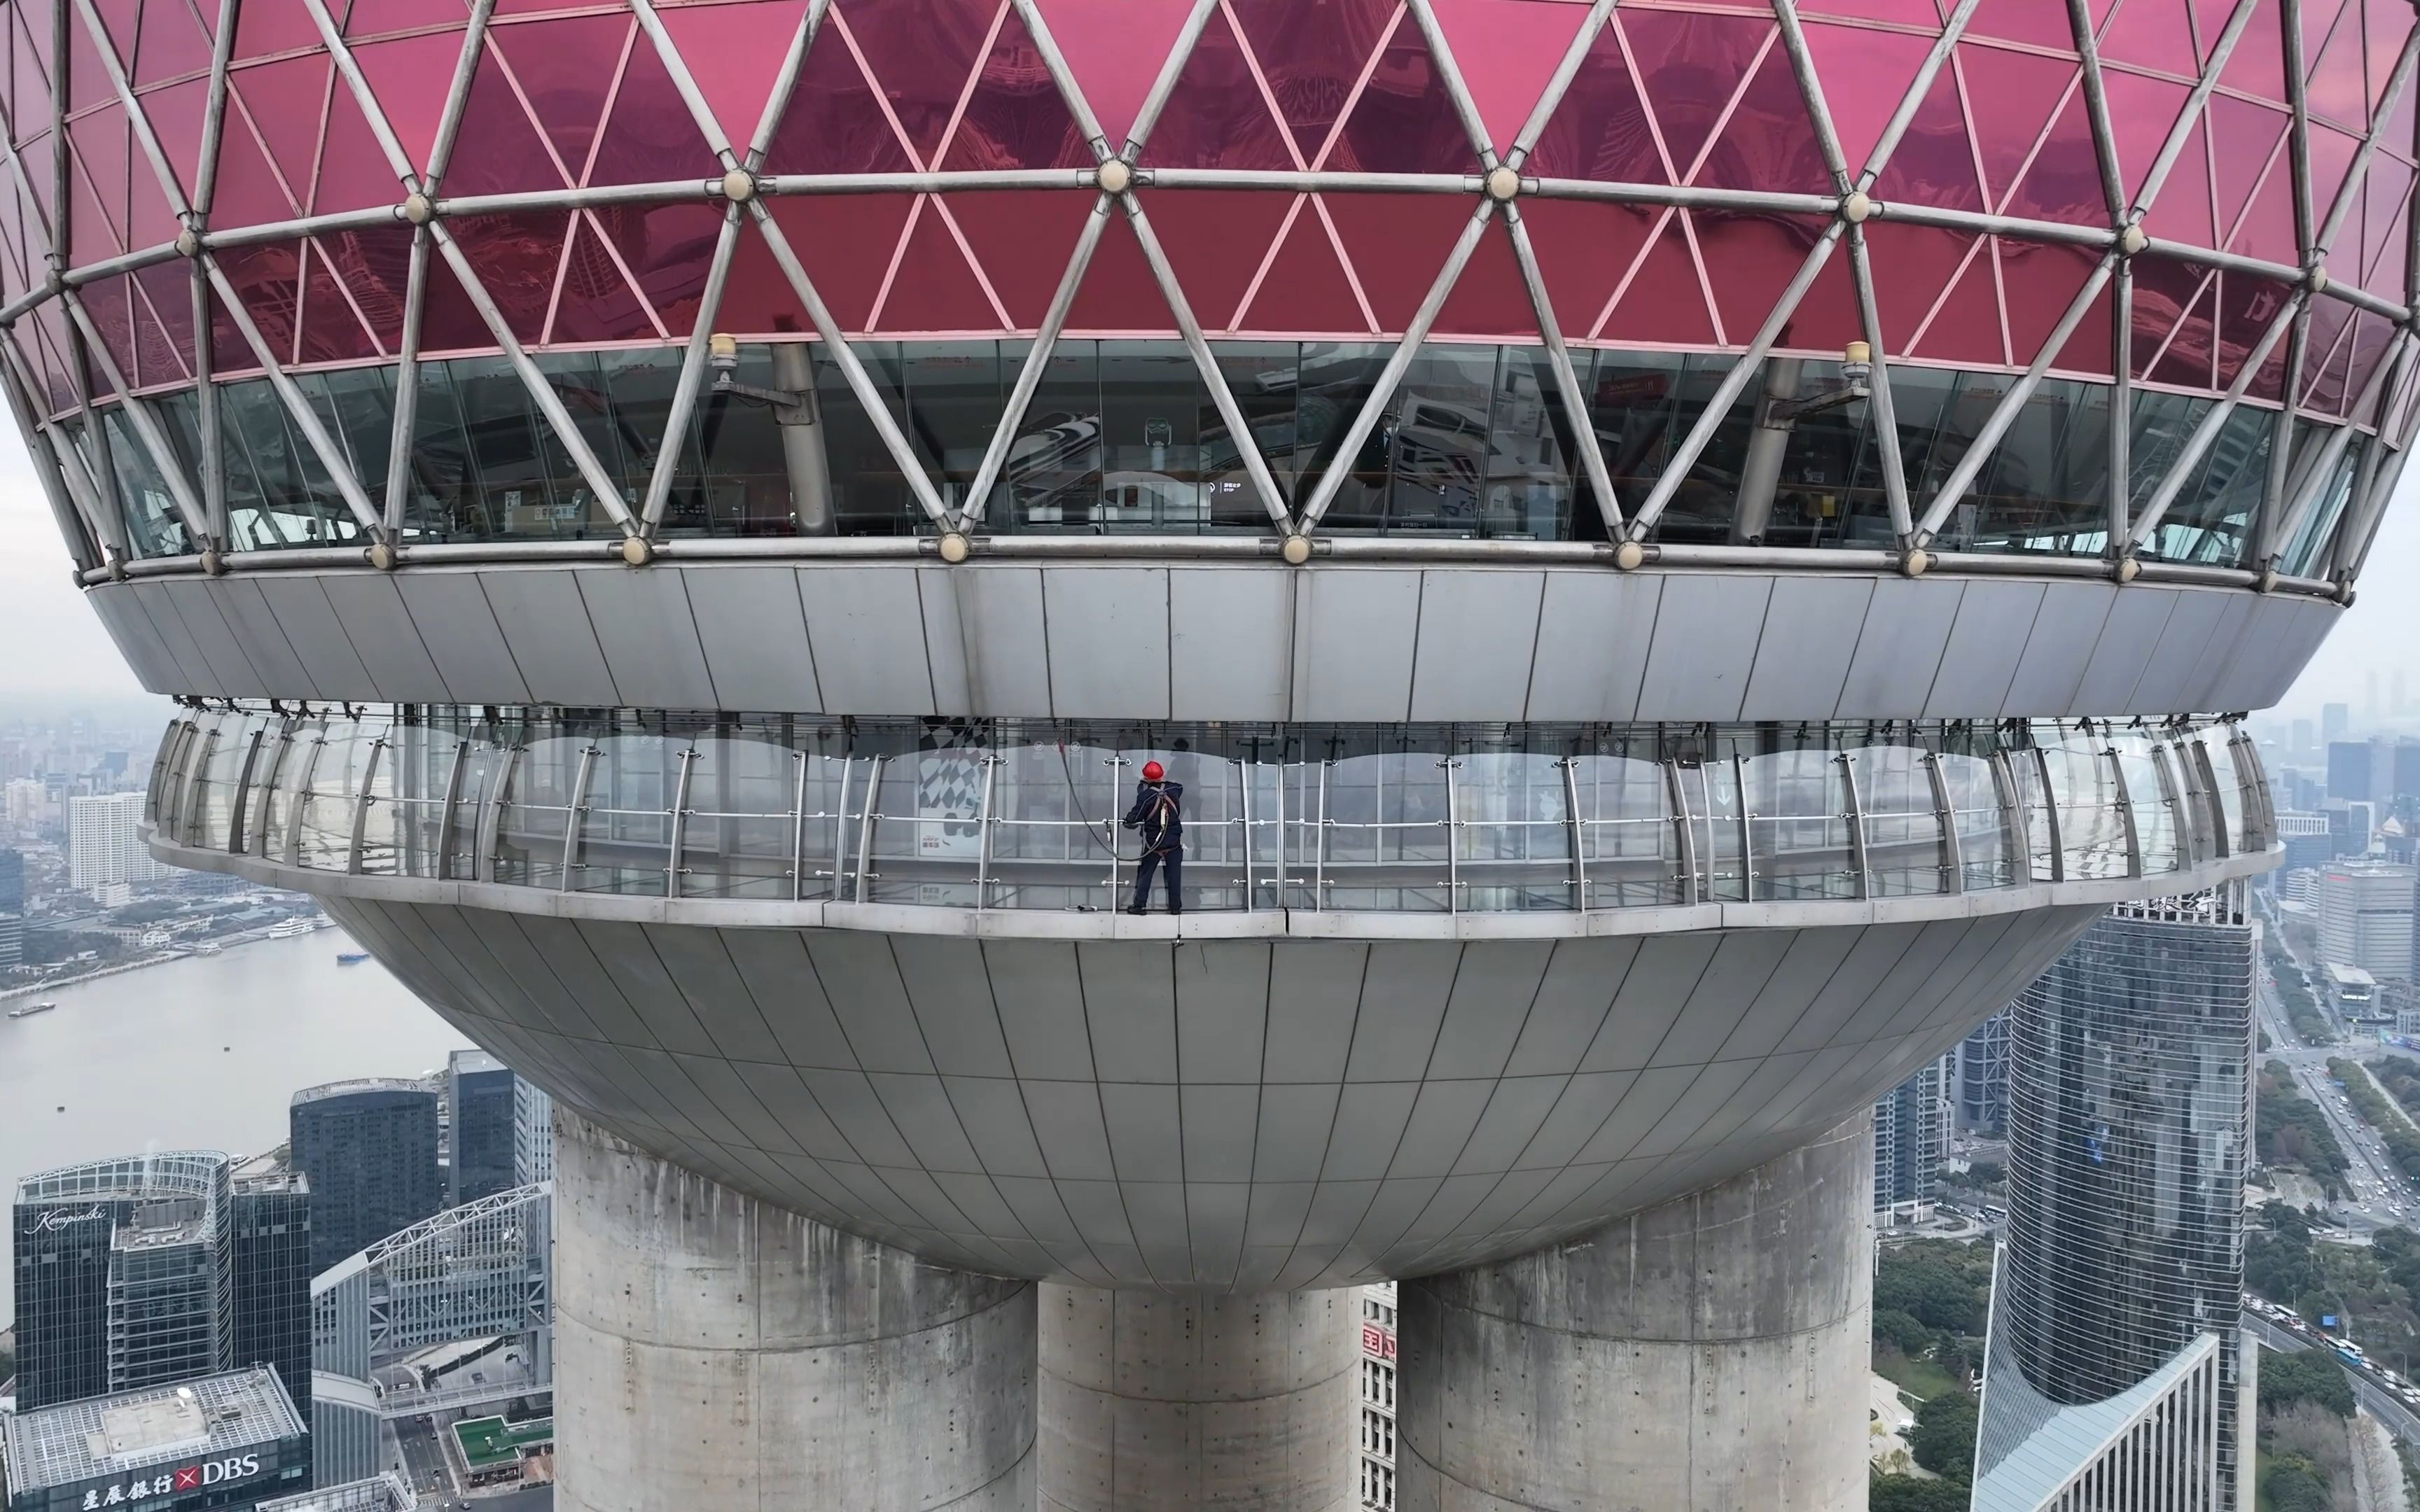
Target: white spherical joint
2133,240
2317,278
2267,582
1856,207
214,565
1503,183
1115,176
1916,562
1629,556
418,209
1296,549
2126,569
382,556
637,550
739,186
188,244
954,546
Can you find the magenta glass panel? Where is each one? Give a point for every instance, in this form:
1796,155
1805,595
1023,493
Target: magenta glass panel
332,328
2244,140
2012,97
2385,237
2151,34
1692,67
2165,289
354,172
2063,182
1215,239
756,299
566,70
532,8
173,44
934,288
374,264
649,136
29,73
285,100
2141,112
19,249
1865,75
266,279
1934,161
1912,265
2331,356
2247,308
260,30
1305,289
1507,50
1666,302
410,76
97,186
1405,121
595,301
118,21
1965,326
2372,334
164,322
48,329
246,190
2038,281
833,122
2036,22
1583,250
1397,243
2257,65
2182,211
1015,117
846,247
515,259
376,18
667,248
1119,293
1750,260
1489,299
106,302
1599,130
2338,90
1114,48
1311,52
1917,13
2184,360
149,219
175,112
501,152
920,52
734,51
2385,34
2266,230
88,80
1768,143
2332,154
1216,116
1022,240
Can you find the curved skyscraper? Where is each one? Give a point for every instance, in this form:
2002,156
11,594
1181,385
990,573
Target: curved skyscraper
1677,556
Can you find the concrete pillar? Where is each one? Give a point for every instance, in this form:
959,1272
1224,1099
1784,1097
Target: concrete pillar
1242,1403
1705,1355
712,1350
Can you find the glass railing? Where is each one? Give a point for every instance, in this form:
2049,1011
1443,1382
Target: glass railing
1025,815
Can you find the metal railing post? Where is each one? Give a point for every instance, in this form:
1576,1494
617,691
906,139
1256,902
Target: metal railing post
865,824
2125,812
840,826
1746,829
1280,889
1242,773
676,842
1953,862
361,802
985,823
575,814
258,841
194,794
1684,826
1453,839
1319,852
490,836
2050,818
1859,861
1109,822
237,811
798,828
1578,833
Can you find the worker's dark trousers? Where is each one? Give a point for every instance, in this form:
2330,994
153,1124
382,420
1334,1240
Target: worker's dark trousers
1173,858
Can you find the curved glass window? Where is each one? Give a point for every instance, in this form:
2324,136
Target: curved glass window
1028,814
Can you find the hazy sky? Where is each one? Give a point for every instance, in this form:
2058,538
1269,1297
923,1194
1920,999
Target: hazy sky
51,644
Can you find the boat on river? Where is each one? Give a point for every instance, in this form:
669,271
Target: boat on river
29,1010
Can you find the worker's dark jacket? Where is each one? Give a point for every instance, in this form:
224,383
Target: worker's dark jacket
1159,812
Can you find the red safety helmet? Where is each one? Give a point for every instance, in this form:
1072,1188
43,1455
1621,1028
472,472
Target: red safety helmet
1153,771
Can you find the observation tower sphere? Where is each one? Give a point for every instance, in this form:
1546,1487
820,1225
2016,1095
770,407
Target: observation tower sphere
1678,555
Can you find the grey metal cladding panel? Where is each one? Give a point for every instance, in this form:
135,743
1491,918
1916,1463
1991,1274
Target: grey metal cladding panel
1314,1000
867,624
1477,632
1068,1122
1403,1004
385,637
1369,1118
1594,631
862,981
545,624
946,634
1742,967
462,634
2057,645
304,612
1295,1122
1041,1001
1811,626
753,636
138,640
640,975
263,640
151,598
950,995
1108,633
197,605
1146,1134
1814,956
1705,644
2192,622
2217,653
2128,639
1440,1125
781,977
1516,1112
1354,636
1130,1006
2302,625
1653,995
921,1108
1986,641
992,1109
1222,1009
1230,643
642,620
1900,647
703,971
999,623
1493,990
1572,1001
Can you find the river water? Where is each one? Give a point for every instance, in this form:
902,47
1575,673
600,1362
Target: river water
199,1054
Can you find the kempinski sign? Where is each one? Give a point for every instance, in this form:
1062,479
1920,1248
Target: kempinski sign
58,1219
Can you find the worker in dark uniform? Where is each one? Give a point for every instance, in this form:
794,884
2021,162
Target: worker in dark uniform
1158,814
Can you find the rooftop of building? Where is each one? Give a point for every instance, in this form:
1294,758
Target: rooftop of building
473,1062
270,1173
189,1225
100,1436
357,1086
379,1494
2350,976
167,1173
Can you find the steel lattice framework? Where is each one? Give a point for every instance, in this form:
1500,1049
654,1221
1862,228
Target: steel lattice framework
469,1272
2210,197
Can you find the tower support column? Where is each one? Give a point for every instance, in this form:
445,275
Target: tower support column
1240,1403
713,1351
1704,1356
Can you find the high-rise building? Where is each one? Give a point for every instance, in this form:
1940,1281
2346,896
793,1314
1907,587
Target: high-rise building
2352,772
1642,686
2306,740
12,939
1911,1136
369,1149
2366,917
2404,757
2117,1376
481,1103
1978,1080
216,1442
1378,1352
2334,719
269,1232
533,1133
105,842
12,880
2352,828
